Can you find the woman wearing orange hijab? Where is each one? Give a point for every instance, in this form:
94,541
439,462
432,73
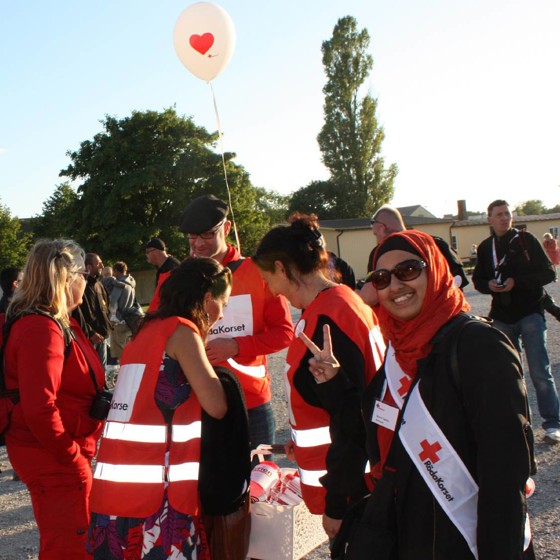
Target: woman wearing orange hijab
453,477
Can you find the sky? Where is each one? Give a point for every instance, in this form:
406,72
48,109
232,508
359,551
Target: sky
468,92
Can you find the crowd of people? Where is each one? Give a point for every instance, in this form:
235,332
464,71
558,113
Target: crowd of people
409,419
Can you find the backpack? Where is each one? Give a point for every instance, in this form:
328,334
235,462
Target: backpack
10,397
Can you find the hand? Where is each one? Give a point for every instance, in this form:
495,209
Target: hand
96,338
324,366
221,349
331,526
506,286
289,449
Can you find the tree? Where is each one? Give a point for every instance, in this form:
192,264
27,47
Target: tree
58,219
531,208
351,137
14,245
319,197
140,172
273,204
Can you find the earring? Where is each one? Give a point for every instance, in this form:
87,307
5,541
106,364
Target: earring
207,317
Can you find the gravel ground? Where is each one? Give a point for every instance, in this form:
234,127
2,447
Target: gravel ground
18,533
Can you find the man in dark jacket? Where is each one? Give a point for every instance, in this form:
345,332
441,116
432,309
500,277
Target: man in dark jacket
513,268
156,254
93,313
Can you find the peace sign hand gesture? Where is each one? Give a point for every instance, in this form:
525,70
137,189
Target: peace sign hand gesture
323,365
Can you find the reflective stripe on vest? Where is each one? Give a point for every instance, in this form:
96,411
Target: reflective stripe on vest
311,478
253,371
312,437
184,471
149,474
186,432
134,432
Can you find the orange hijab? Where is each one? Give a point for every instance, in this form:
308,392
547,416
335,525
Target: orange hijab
443,300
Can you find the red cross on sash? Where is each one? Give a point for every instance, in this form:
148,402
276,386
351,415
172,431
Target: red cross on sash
429,451
398,381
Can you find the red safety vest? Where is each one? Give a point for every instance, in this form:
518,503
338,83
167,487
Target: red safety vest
244,316
310,424
139,455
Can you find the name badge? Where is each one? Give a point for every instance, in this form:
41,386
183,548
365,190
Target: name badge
385,415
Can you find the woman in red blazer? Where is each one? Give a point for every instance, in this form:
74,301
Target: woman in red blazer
52,437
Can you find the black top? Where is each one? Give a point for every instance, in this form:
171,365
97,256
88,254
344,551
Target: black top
169,264
484,415
93,313
340,397
525,261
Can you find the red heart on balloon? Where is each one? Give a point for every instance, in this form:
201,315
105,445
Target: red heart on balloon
202,43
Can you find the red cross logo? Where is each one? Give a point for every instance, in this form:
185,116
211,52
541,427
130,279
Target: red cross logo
405,385
429,451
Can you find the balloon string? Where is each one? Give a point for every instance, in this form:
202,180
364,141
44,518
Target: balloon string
221,136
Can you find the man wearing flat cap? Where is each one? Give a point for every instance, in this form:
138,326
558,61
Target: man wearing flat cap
156,255
255,322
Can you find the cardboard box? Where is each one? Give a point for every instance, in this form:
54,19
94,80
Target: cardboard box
284,532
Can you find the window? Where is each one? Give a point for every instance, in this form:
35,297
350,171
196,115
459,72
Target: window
454,243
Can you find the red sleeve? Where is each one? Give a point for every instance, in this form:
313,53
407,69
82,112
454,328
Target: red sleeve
154,304
37,348
278,332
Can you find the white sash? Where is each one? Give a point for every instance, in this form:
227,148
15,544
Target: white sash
441,468
397,380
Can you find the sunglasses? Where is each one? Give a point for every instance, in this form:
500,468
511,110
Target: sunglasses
405,271
207,234
374,221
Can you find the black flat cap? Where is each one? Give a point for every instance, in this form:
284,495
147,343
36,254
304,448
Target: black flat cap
155,243
202,214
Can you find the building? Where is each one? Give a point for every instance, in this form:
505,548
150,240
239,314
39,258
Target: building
352,239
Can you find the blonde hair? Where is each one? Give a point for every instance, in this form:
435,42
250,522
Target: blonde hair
50,270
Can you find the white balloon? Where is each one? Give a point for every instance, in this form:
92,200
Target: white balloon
204,39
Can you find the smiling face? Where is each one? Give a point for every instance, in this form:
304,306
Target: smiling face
211,243
402,299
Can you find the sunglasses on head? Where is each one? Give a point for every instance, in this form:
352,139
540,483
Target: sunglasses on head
405,271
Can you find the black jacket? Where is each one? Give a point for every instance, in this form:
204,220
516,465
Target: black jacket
484,415
93,313
340,397
225,465
170,263
525,262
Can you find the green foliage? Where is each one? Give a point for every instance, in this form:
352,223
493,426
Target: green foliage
319,197
273,204
531,208
14,244
59,216
351,137
137,176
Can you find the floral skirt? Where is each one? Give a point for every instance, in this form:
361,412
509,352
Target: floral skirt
166,535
